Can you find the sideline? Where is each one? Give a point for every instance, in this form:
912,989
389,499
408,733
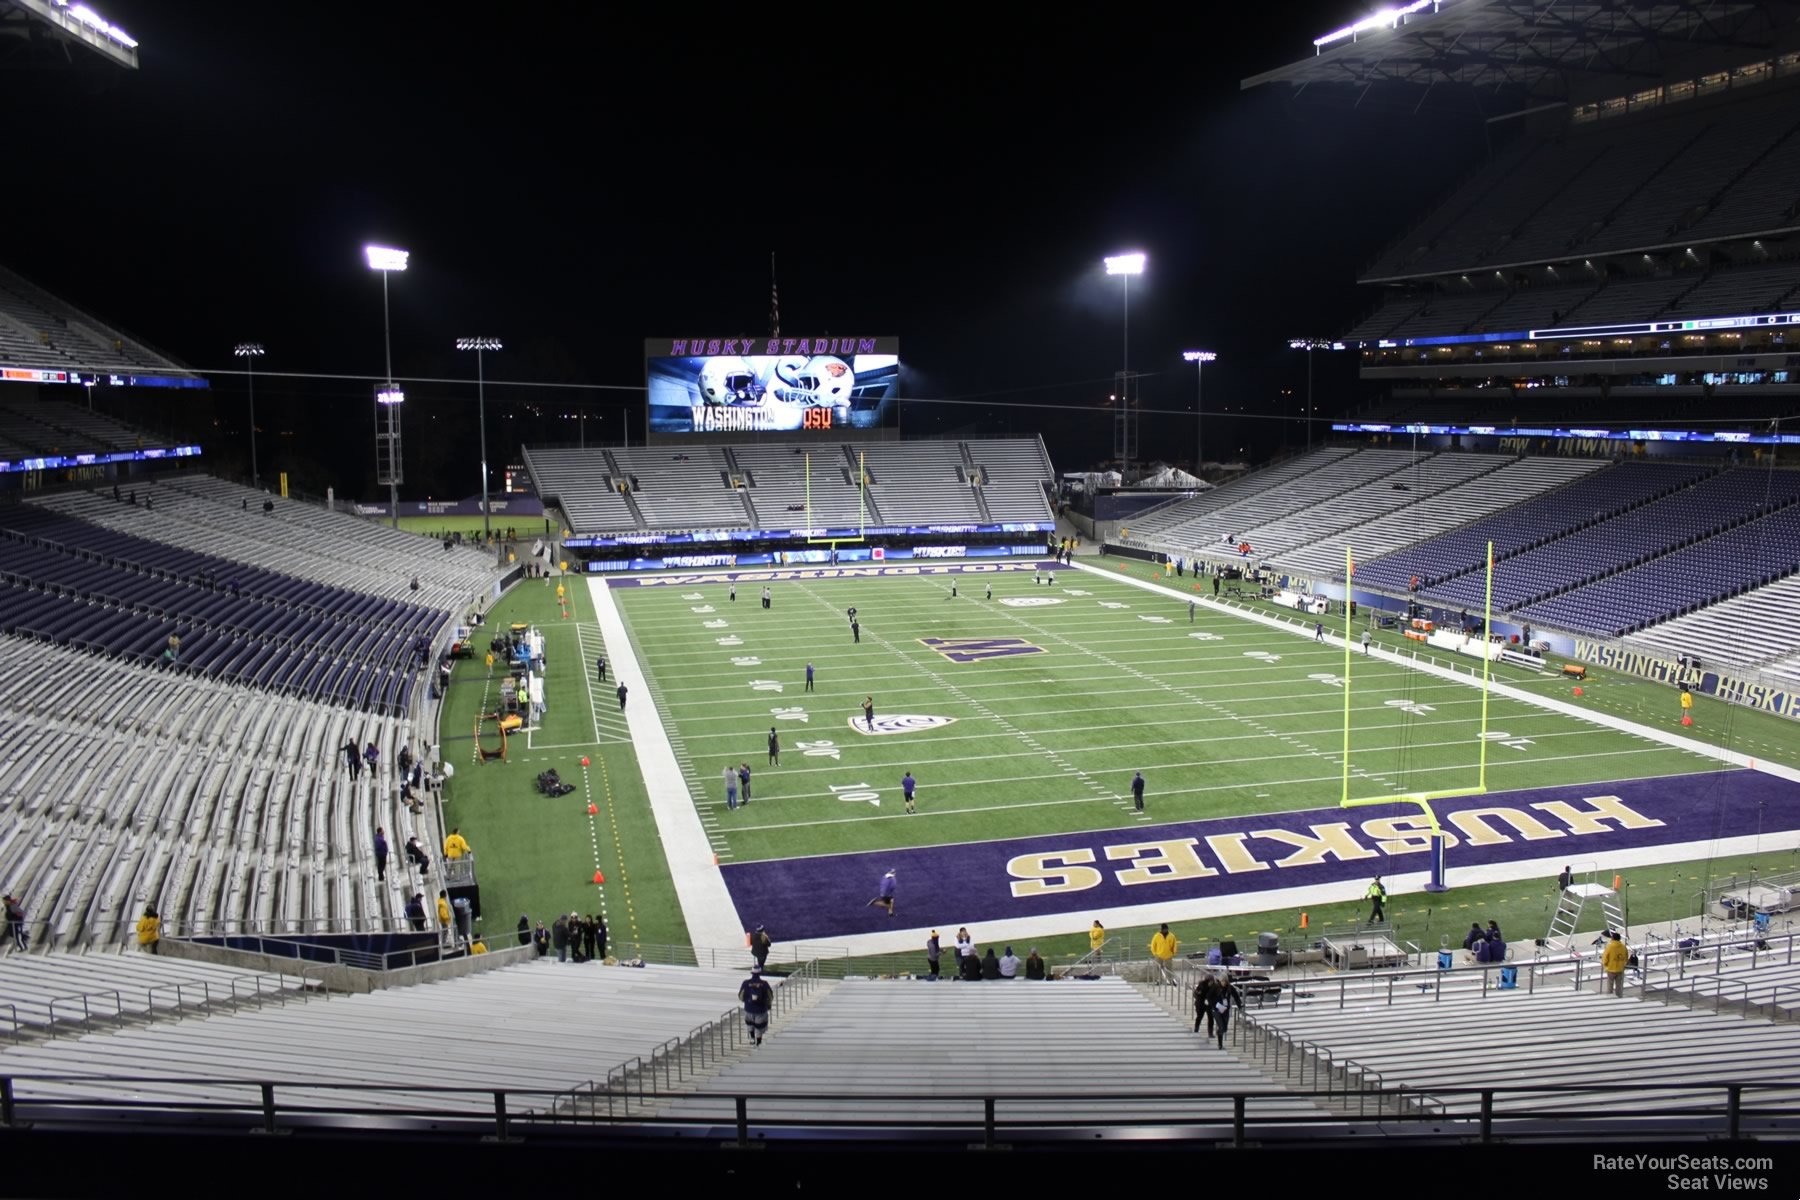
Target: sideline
706,906
1018,931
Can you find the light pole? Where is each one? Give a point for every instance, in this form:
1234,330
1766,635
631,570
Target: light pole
250,352
479,345
1309,345
388,398
1199,358
1125,266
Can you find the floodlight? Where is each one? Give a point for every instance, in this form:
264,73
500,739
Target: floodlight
385,258
478,343
1383,18
248,350
98,23
1313,344
1199,356
389,394
1125,264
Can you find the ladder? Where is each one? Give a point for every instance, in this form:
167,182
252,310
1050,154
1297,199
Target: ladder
1568,912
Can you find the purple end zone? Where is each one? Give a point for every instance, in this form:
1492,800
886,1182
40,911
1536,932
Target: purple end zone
827,896
897,570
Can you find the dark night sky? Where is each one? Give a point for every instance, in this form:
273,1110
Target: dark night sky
575,178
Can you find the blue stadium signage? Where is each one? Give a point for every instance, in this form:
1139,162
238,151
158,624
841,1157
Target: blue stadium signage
771,535
54,462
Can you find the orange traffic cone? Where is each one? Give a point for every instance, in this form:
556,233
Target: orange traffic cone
592,810
584,761
1578,692
1303,920
599,877
1687,719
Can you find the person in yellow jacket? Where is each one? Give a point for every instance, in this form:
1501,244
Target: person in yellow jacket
1687,702
443,910
455,846
1162,948
1612,961
478,948
1096,939
149,929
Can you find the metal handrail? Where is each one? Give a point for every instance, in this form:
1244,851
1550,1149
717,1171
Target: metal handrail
1717,1100
673,1060
87,1017
1774,1004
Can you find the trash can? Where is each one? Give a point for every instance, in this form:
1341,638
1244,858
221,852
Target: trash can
1509,977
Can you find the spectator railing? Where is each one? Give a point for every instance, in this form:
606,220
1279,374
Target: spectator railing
1704,1111
643,1080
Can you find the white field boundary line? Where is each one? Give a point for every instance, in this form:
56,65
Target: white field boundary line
1604,720
1023,929
712,919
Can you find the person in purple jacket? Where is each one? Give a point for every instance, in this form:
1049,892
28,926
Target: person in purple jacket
886,896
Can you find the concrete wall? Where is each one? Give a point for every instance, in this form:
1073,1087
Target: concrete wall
339,978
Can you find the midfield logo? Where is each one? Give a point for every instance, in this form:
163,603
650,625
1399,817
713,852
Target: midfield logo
1029,601
968,650
900,723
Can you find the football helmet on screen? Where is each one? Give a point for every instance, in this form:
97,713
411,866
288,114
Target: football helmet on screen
823,381
727,380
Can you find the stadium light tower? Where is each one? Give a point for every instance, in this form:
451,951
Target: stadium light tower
480,345
1199,358
1309,345
250,352
1125,266
388,397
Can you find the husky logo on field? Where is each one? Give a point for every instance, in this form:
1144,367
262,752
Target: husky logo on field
968,650
1030,601
900,723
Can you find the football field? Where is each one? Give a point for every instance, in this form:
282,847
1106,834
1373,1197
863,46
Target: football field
1023,718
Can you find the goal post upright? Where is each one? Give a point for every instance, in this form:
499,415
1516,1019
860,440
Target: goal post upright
1487,650
1423,799
1349,574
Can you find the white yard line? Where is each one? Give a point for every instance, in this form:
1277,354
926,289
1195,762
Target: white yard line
712,919
924,813
1605,720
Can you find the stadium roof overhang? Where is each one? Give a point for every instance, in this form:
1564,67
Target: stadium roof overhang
46,33
1528,52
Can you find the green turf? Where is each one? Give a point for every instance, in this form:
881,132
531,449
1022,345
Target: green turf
1047,743
537,855
1041,743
